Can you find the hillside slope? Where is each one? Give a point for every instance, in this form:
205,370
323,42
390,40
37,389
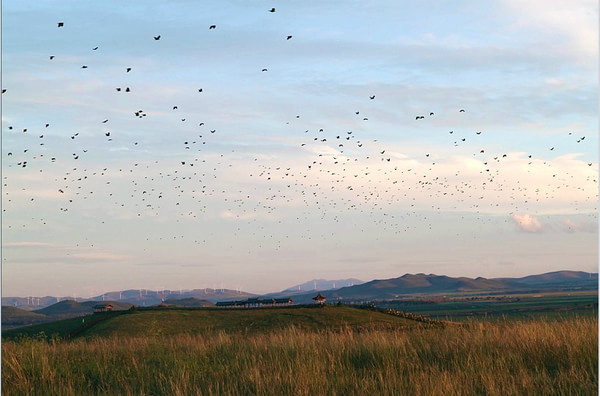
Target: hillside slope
165,322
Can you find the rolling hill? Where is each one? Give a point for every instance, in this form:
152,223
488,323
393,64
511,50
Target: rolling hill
165,322
14,317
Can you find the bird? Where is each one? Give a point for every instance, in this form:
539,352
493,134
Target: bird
461,110
94,49
372,97
127,89
175,107
157,37
212,27
61,24
107,133
430,113
128,69
289,37
105,121
118,89
51,57
478,133
264,70
272,9
199,89
84,67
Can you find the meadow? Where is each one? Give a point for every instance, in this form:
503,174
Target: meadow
514,357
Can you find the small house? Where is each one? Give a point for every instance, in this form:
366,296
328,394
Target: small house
103,308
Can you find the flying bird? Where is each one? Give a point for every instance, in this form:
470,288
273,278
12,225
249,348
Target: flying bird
128,69
212,27
157,37
51,57
272,10
61,24
289,37
94,49
372,97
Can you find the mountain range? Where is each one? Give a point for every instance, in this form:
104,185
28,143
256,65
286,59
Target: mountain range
18,311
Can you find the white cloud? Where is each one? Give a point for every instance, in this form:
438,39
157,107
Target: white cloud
577,21
527,223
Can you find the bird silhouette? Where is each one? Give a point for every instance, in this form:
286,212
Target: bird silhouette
272,10
212,27
157,37
288,37
372,97
61,24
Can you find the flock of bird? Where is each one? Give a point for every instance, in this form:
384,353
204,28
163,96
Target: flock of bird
349,175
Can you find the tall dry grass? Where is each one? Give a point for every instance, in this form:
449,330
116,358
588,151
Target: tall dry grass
518,358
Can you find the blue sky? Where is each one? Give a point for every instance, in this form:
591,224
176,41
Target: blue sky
269,200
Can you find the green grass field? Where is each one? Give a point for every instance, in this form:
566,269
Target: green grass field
305,351
499,307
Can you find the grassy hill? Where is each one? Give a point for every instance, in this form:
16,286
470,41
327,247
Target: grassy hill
12,317
162,322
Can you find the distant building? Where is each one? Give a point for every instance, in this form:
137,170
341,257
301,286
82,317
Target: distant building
255,302
103,308
319,299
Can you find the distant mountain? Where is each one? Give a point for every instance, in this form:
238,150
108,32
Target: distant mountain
411,284
146,298
323,284
141,297
560,277
189,302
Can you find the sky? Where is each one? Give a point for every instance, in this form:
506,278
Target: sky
337,139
